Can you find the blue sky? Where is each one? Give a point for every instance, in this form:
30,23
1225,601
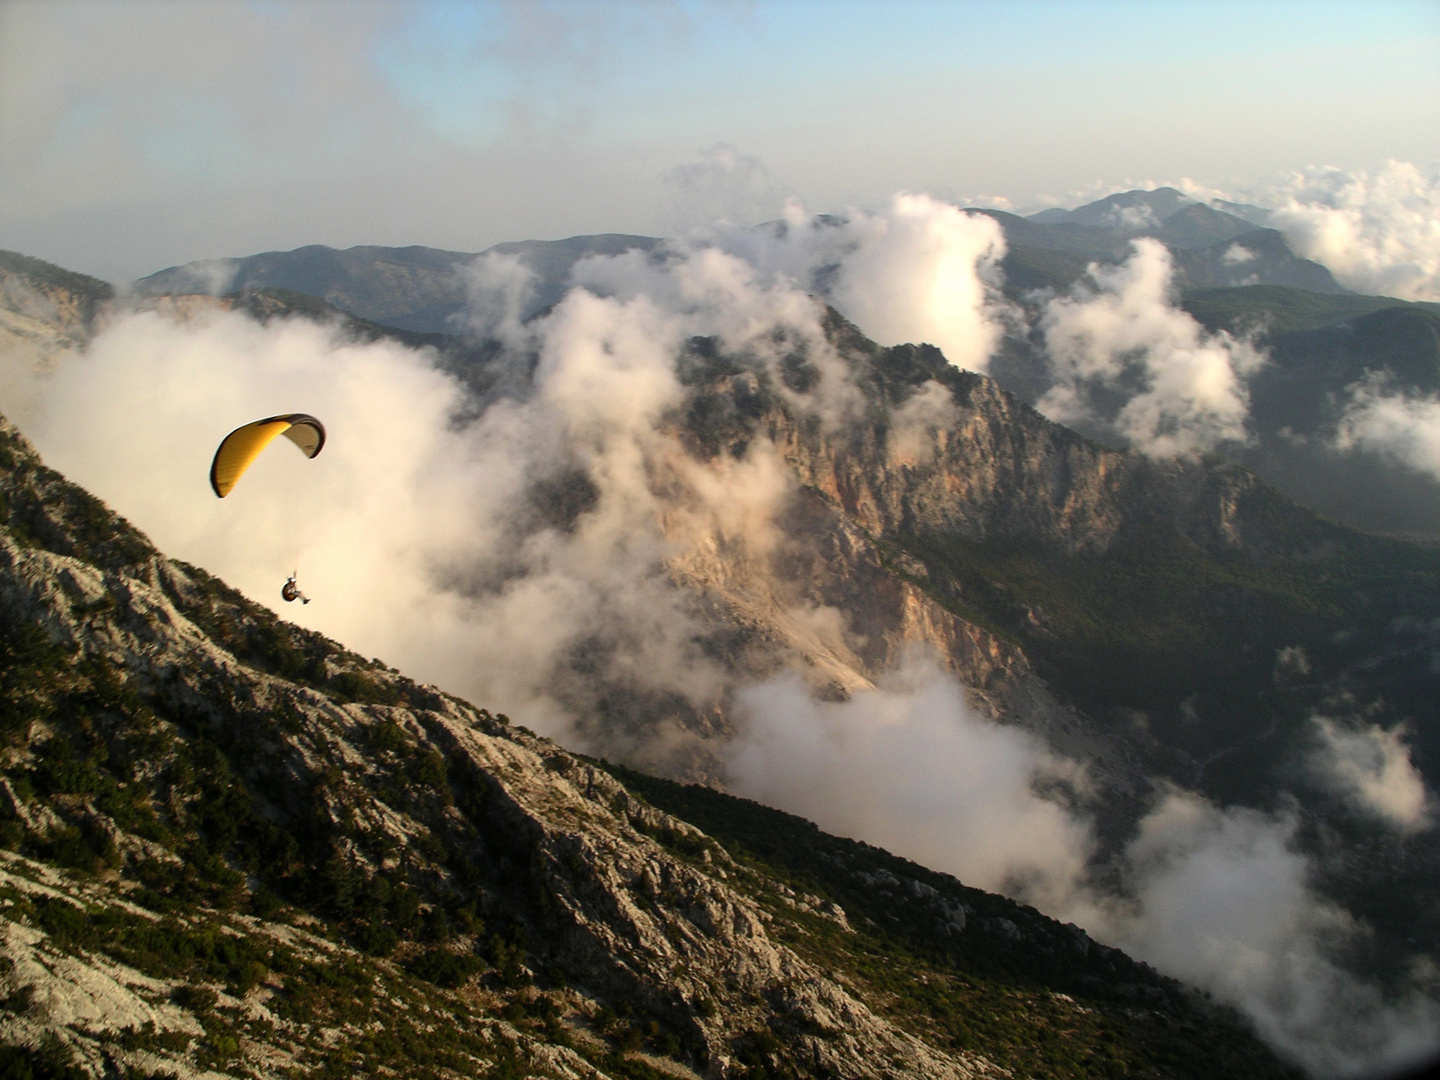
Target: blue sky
141,134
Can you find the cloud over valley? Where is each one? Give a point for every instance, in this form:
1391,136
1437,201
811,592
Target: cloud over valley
991,531
562,542
1126,358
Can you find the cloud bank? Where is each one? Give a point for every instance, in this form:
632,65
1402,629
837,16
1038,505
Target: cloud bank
1371,768
517,550
925,271
1221,899
921,270
1217,897
1377,232
911,767
1404,428
1125,358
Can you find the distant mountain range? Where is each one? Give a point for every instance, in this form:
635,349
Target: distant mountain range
419,288
1130,613
1211,247
412,288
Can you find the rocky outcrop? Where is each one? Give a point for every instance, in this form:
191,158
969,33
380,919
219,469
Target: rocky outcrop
44,310
989,467
537,830
279,852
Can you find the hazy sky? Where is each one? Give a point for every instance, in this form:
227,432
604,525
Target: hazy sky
138,135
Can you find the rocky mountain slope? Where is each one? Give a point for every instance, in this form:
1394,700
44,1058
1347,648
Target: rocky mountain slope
1211,247
44,309
232,848
1134,614
1127,611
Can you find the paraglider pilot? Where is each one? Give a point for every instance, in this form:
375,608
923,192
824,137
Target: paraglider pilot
238,450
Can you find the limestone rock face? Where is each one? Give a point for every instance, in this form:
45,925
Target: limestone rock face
283,858
45,312
540,830
846,588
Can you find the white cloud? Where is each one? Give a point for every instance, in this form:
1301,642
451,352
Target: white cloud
925,271
1126,358
1221,899
1291,660
910,766
1371,767
1140,216
1217,897
724,185
498,291
919,271
916,424
1377,232
1405,429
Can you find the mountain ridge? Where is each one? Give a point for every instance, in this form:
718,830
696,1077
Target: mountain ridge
353,778
415,288
1133,614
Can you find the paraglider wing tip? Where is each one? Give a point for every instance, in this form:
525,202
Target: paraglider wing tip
306,432
215,480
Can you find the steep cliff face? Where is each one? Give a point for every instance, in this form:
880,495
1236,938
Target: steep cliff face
230,846
45,310
905,523
980,465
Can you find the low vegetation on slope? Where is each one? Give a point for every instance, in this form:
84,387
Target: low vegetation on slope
955,964
228,845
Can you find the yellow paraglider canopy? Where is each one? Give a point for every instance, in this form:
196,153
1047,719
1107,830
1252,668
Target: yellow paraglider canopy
239,449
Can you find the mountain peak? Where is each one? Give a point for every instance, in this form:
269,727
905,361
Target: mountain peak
1130,210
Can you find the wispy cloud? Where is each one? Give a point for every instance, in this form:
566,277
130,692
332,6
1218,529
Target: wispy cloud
1126,359
1371,767
1219,897
910,766
724,184
1402,427
1222,898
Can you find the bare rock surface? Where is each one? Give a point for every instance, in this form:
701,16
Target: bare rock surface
630,917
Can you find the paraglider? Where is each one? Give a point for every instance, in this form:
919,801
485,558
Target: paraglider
238,451
290,591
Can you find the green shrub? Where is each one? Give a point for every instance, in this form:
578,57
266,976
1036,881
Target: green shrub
200,999
445,968
51,1062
